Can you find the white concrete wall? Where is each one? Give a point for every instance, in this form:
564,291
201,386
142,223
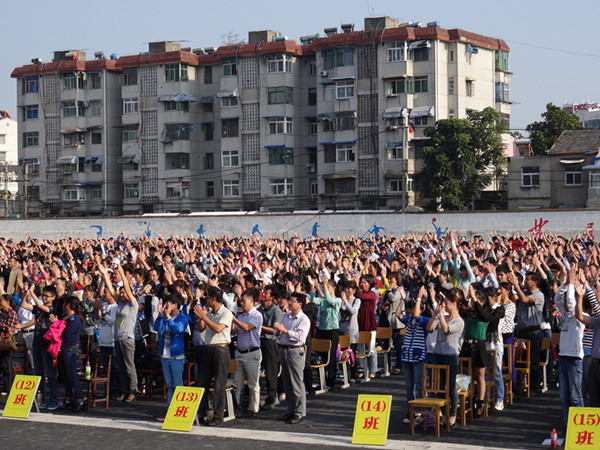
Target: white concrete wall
565,222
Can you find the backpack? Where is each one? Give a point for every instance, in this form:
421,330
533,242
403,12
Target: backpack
346,355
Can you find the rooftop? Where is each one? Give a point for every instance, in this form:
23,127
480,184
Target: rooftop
576,141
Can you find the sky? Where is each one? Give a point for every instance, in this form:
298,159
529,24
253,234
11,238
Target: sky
554,53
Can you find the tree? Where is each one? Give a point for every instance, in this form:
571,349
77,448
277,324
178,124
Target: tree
544,134
461,159
230,38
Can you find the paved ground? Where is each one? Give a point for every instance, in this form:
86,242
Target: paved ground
330,421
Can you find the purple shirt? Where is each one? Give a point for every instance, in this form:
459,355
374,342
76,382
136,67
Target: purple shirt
249,339
595,325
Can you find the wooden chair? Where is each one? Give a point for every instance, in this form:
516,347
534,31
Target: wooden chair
555,339
430,408
507,363
323,347
490,382
148,375
523,366
384,333
543,348
465,399
364,337
101,376
344,342
229,388
20,360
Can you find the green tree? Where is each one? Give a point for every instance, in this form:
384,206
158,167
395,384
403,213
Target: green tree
544,134
461,159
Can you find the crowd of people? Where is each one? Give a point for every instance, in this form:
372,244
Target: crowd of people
262,300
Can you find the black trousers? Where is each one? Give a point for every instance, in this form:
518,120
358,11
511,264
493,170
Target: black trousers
334,337
535,336
269,349
215,364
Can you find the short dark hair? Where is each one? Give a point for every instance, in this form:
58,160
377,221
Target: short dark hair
215,293
535,277
300,297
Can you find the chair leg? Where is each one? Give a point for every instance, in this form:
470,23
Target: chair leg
437,421
411,416
448,416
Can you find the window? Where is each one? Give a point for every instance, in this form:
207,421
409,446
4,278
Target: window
502,60
96,138
129,77
210,188
229,67
340,186
395,185
279,63
2,139
33,193
230,158
132,190
421,121
229,128
450,114
395,87
176,72
74,139
396,51
130,105
177,189
281,125
470,87
312,96
31,139
174,161
30,84
530,176
95,81
345,120
208,75
313,127
72,81
420,84
209,161
502,92
420,54
71,108
345,153
31,112
280,95
450,55
231,188
314,186
394,153
312,68
345,89
131,165
595,179
450,85
208,128
96,167
281,186
281,156
330,92
573,177
69,168
177,132
227,102
177,106
73,193
338,57
96,109
97,193
130,135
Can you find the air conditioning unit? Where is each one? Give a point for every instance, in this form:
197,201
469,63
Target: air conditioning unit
393,127
323,73
311,168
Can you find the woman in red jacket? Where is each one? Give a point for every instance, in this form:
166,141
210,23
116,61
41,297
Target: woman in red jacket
366,318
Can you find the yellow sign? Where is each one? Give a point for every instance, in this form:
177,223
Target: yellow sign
183,408
21,397
372,419
583,429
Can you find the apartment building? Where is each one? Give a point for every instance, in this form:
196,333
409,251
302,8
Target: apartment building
330,122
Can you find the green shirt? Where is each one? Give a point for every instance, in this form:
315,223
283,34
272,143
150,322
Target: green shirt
475,329
328,311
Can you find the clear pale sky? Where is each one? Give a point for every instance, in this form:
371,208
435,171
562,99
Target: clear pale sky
554,55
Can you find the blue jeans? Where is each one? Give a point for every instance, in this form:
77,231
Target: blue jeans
70,356
499,349
398,340
45,369
452,361
511,342
570,372
413,375
173,373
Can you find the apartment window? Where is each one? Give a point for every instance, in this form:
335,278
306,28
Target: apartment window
420,54
338,57
595,179
340,186
130,105
397,86
96,109
281,125
209,161
31,139
450,85
209,129
227,102
96,138
73,193
530,176
96,167
178,189
230,158
502,61
421,121
30,84
74,139
97,193
176,72
229,67
345,120
313,127
395,185
420,84
396,51
72,81
177,106
502,92
314,186
330,92
210,188
451,114
450,55
280,95
470,88
69,168
71,108
280,63
344,153
231,188
177,132
229,128
132,190
129,77
573,177
33,193
131,166
281,186
208,78
345,89
174,161
312,68
31,112
130,135
2,139
312,96
95,81
281,156
394,153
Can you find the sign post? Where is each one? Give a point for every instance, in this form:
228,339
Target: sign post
372,419
22,396
583,429
183,410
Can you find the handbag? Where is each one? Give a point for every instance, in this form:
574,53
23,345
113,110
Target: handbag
7,343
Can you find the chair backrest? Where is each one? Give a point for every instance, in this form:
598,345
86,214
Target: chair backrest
439,380
490,367
507,359
555,339
322,346
233,366
384,333
103,364
20,359
465,365
523,358
344,342
364,337
545,344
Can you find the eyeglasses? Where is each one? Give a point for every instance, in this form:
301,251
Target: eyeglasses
47,296
293,301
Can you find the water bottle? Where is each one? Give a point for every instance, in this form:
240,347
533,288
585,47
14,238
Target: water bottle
553,436
88,371
143,393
